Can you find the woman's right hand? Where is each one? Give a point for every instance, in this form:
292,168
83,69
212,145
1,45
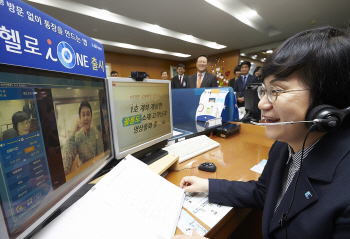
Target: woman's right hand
195,184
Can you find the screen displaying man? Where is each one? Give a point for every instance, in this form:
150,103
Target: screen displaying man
244,79
84,140
179,81
202,79
30,109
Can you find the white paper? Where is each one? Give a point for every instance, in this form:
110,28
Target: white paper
209,213
241,112
175,133
131,201
259,167
187,223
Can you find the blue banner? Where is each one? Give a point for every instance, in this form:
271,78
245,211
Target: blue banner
31,38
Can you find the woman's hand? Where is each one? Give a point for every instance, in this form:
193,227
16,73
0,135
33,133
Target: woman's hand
195,184
195,235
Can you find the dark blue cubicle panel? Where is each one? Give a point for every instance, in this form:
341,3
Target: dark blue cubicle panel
185,103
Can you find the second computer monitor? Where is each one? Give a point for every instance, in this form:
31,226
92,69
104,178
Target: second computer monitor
251,102
141,114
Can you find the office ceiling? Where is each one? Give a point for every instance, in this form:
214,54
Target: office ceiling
275,21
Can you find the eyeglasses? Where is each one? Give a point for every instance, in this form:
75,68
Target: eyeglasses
272,92
24,123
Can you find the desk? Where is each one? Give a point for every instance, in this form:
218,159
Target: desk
233,159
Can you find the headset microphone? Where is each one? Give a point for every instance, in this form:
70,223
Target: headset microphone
323,118
284,123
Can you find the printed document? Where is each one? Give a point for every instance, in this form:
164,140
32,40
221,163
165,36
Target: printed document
131,201
209,213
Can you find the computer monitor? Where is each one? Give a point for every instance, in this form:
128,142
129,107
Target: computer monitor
141,117
54,136
253,113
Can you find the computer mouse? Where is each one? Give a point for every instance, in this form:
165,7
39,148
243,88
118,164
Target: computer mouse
207,166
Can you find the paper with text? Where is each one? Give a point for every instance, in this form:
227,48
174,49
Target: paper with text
131,201
187,223
209,213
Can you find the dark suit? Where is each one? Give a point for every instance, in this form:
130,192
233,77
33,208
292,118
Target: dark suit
231,83
175,82
324,174
30,111
239,88
9,134
209,80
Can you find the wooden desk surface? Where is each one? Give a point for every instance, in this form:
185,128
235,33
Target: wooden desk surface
233,159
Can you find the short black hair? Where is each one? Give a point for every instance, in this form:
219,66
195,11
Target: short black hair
113,72
321,59
237,68
180,65
257,69
246,63
164,71
19,117
85,103
205,57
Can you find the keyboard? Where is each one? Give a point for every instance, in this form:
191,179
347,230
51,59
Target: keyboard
191,147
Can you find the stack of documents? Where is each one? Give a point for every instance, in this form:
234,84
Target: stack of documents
131,201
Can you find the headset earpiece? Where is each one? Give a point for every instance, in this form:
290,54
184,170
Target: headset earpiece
330,118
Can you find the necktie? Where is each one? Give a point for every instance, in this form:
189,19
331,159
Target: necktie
199,80
244,79
180,80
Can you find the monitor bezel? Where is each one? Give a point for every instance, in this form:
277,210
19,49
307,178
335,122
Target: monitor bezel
121,154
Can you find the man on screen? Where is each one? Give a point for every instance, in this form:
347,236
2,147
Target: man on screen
84,140
30,109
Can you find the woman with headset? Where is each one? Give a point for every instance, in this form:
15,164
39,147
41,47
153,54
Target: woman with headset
304,188
84,141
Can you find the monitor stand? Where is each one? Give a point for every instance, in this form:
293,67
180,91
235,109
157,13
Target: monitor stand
153,156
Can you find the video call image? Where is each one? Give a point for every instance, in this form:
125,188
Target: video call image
23,163
79,127
18,118
52,136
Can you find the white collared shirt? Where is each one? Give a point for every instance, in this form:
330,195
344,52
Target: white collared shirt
182,78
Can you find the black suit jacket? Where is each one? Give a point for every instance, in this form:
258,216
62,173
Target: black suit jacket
231,83
324,174
9,134
209,80
239,86
175,82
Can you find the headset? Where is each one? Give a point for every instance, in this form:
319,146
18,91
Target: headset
322,118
